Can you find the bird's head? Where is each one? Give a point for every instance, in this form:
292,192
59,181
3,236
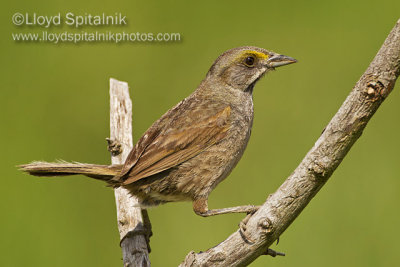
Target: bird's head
240,68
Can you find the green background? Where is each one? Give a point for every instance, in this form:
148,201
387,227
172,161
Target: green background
54,105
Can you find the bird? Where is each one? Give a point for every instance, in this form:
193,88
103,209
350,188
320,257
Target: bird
195,145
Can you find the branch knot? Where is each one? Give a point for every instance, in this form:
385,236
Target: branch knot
114,147
375,89
317,169
266,224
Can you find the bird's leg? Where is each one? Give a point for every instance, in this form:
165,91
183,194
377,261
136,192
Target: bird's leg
200,207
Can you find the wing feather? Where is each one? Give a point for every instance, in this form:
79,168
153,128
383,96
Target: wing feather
160,151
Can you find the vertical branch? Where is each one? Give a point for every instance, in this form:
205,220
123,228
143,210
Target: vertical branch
130,220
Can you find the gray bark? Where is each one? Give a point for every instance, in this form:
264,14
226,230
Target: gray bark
282,207
130,221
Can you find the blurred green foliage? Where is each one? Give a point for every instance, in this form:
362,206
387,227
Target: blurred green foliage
54,105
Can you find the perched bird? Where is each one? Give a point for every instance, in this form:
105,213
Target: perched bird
185,154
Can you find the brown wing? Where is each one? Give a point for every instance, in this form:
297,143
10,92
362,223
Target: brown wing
160,151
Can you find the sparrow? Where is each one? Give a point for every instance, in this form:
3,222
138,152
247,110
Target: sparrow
195,145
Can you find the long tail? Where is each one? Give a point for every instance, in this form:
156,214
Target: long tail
101,172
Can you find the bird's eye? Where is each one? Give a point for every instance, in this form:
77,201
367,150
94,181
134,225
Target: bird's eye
249,61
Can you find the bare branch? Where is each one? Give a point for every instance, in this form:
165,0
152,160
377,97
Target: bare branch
282,207
130,221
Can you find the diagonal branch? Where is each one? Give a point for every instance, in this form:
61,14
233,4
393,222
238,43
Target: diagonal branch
130,221
283,206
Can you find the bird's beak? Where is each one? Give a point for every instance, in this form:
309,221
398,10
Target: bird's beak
279,60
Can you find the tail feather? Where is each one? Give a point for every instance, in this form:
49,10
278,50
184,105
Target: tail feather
101,172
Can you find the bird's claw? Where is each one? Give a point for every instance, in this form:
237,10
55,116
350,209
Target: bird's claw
243,224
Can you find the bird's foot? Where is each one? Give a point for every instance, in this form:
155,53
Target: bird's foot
243,224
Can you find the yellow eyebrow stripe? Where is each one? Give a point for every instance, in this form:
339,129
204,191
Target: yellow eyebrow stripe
256,53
